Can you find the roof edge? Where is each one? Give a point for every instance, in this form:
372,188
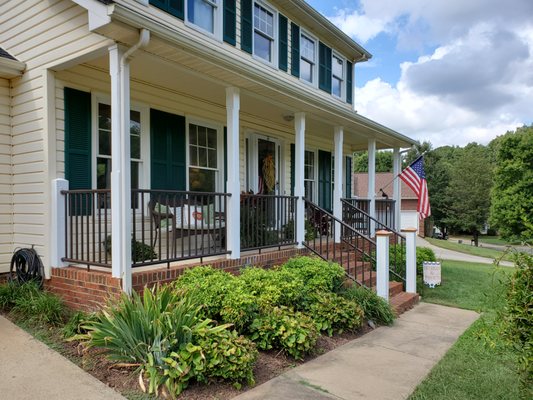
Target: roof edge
11,68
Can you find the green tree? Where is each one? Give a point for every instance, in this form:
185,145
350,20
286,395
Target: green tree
468,190
512,195
383,161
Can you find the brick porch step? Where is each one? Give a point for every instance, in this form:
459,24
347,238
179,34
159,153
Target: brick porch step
402,301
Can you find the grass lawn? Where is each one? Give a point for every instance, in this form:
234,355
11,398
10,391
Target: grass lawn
471,369
467,249
497,240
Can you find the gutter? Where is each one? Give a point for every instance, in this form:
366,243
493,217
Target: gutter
11,68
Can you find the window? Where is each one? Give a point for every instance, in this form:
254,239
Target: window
103,160
263,33
310,175
203,158
337,77
202,13
307,58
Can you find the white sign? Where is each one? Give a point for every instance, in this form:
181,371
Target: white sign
432,276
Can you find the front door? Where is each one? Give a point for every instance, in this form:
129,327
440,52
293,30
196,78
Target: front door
264,165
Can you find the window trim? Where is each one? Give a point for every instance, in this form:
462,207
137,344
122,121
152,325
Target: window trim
219,182
275,45
217,20
315,174
343,83
314,83
144,161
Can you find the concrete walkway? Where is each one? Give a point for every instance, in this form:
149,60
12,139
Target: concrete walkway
445,254
29,370
386,364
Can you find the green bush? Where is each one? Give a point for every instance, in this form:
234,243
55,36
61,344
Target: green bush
333,313
397,254
316,274
28,301
74,325
282,328
374,307
139,251
517,317
239,306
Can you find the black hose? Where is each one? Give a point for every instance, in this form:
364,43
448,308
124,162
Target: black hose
26,266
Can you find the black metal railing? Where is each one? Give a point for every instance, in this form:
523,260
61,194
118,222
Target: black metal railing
167,226
356,252
267,221
384,211
360,220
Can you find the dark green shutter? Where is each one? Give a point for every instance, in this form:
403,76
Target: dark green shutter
283,43
173,7
324,180
230,24
78,163
168,167
324,67
349,82
348,176
246,25
225,158
293,151
295,50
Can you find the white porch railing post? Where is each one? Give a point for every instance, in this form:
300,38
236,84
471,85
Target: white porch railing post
233,185
299,188
410,259
337,193
396,169
372,184
382,264
58,249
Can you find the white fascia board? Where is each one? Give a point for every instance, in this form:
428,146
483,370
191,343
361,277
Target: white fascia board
98,13
11,68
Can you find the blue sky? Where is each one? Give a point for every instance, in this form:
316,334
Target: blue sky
447,71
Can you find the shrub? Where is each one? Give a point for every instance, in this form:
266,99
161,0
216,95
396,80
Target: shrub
517,317
333,313
316,274
74,325
239,306
374,307
282,328
397,253
139,251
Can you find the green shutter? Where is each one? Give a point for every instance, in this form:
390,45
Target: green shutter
295,50
293,151
348,177
246,25
283,43
349,82
230,24
324,180
168,166
173,7
324,67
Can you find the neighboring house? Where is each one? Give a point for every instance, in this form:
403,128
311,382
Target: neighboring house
409,202
113,112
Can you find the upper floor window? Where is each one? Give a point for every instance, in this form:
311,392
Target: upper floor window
202,13
307,58
337,77
263,33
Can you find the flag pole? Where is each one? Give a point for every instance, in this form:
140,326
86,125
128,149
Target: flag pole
396,177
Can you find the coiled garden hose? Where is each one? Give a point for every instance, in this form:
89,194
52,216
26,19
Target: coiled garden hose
26,266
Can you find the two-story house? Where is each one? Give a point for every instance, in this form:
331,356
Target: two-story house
202,129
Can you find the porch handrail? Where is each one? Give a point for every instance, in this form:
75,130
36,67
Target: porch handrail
378,223
356,251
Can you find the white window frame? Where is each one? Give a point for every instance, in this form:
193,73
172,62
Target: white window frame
274,62
219,182
217,19
314,73
144,161
343,83
315,174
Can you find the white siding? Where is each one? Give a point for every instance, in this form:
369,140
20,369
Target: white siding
6,194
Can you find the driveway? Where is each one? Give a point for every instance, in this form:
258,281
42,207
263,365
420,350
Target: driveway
445,254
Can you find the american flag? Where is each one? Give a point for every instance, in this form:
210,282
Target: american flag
415,177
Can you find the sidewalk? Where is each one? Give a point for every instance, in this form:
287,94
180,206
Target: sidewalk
386,364
29,370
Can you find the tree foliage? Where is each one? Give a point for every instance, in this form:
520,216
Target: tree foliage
512,194
383,161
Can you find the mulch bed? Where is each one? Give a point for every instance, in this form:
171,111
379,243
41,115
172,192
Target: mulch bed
269,365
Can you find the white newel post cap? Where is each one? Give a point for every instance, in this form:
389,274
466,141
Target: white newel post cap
383,233
409,230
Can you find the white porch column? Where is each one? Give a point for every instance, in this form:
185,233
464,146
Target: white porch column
233,185
410,259
57,228
382,264
372,183
299,188
396,169
339,180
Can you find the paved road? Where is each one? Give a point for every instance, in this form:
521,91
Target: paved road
445,254
30,370
385,364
